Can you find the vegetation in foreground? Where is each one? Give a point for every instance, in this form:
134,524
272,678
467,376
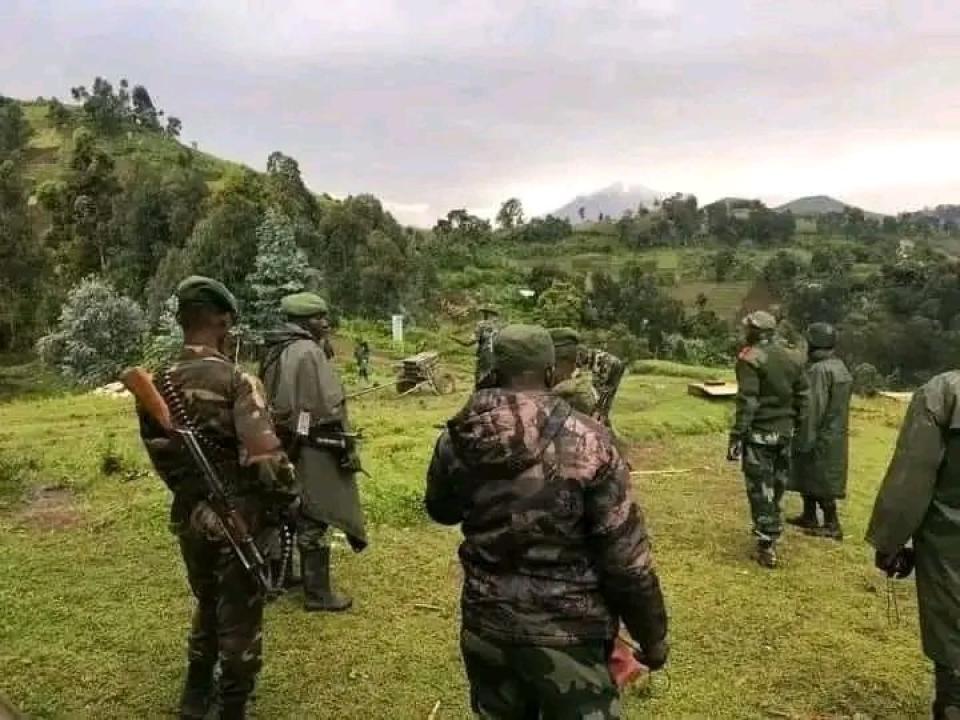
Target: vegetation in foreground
95,605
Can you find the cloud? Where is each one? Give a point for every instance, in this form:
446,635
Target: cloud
453,104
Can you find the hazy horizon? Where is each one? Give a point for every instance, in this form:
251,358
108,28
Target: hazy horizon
432,106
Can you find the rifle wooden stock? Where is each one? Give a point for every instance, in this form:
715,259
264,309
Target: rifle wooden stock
140,384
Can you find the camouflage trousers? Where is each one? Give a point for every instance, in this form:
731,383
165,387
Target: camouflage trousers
527,682
766,470
228,620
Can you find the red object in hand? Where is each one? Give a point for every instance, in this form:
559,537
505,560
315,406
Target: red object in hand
624,667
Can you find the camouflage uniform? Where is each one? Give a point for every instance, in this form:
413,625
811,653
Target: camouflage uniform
362,356
579,392
555,554
485,334
228,407
771,403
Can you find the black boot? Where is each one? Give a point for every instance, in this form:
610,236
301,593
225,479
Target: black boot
808,518
197,691
831,522
317,593
766,554
234,709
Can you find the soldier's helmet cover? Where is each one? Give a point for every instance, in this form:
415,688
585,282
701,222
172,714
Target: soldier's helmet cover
304,305
566,342
203,290
822,335
760,320
523,348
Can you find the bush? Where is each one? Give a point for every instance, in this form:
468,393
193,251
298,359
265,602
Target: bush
99,333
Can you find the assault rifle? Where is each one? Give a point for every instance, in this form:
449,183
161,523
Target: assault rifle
170,414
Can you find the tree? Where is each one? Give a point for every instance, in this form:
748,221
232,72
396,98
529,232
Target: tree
280,268
724,261
461,226
98,334
510,215
57,114
545,230
144,113
683,214
560,305
15,131
174,126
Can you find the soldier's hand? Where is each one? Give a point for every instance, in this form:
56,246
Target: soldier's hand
206,522
734,448
654,657
897,564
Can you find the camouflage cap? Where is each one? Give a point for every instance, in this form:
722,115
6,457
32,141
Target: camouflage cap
200,289
566,342
523,348
304,305
822,335
760,320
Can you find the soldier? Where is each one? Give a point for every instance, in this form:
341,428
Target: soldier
573,386
820,450
228,407
483,340
307,399
771,404
361,354
555,553
919,500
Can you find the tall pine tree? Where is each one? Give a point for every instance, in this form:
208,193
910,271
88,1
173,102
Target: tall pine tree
281,268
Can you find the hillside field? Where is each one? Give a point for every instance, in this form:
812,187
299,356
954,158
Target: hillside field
95,605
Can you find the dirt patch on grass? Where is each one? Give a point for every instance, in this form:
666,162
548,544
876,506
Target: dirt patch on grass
50,507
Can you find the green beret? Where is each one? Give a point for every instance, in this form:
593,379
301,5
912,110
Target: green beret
760,320
523,348
207,291
304,305
822,335
566,342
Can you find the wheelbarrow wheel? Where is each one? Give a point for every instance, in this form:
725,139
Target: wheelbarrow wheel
446,384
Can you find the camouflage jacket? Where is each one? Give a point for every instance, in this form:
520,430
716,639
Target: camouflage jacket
579,392
229,410
486,333
555,552
773,392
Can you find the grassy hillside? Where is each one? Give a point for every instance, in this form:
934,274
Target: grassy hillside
48,142
95,606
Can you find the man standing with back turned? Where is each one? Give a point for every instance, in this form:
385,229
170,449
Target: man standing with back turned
228,408
820,449
555,553
919,500
309,407
771,404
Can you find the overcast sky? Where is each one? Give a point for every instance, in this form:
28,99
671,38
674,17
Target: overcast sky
435,104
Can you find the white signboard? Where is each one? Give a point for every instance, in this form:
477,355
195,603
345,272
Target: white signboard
398,329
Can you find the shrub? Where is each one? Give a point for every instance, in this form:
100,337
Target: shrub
98,334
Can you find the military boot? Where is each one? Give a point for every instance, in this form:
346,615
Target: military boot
808,518
317,592
766,554
234,709
831,522
197,691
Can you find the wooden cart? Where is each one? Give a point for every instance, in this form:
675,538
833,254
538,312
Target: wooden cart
423,371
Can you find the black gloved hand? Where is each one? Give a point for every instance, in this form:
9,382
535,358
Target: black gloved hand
734,448
897,564
654,657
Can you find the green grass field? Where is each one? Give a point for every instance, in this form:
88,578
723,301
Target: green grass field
95,605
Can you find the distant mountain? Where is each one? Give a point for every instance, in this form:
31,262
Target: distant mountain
815,205
612,201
